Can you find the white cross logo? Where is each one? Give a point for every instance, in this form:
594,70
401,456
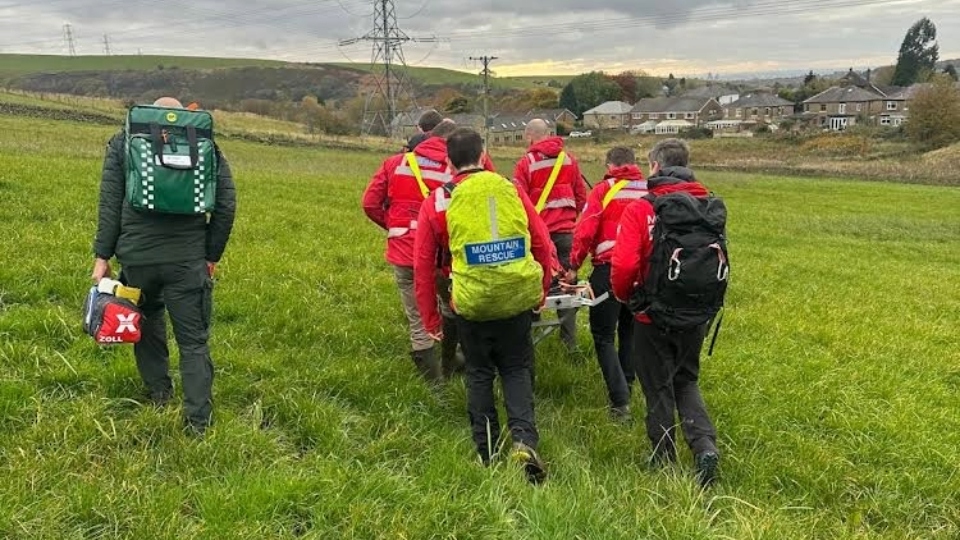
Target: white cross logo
126,323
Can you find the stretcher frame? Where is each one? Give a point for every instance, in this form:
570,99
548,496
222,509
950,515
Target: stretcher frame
564,297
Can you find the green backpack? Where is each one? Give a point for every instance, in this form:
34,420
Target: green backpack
171,160
494,275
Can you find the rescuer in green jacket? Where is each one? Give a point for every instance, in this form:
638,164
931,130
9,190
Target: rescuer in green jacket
172,259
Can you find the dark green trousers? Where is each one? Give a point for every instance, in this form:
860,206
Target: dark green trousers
185,291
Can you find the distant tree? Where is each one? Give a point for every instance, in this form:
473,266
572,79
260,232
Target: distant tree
951,71
457,105
627,82
809,78
568,99
683,82
541,98
935,114
883,76
588,90
918,53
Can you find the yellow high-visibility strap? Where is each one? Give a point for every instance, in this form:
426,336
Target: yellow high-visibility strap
415,167
554,174
613,191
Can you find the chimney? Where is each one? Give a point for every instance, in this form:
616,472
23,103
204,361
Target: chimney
868,74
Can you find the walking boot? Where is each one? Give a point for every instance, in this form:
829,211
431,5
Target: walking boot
452,358
428,365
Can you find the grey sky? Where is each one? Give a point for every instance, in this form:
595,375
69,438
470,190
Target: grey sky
686,37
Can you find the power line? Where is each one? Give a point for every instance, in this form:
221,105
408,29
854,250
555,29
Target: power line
485,73
391,85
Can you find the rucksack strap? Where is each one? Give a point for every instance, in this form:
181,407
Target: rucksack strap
613,191
554,174
415,167
159,140
716,330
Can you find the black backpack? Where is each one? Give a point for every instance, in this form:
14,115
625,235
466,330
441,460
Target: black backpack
689,266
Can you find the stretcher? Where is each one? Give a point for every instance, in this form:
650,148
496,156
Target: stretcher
564,297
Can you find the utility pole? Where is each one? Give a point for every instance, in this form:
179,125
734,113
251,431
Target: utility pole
389,68
68,39
106,45
486,92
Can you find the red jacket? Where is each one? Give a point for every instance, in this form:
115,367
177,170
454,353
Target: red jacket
629,263
596,232
392,199
569,193
433,251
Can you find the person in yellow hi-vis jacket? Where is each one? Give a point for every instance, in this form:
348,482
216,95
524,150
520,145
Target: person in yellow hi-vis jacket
551,177
483,232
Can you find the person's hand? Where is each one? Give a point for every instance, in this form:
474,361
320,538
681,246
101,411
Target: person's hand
101,270
211,268
570,276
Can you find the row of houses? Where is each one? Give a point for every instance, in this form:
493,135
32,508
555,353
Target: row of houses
504,128
854,99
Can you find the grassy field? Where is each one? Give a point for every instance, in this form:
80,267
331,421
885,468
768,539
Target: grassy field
19,64
12,65
835,385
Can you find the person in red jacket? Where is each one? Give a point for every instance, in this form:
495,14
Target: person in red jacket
668,363
504,346
559,205
392,200
596,235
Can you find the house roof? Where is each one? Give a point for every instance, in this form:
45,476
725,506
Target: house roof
553,114
675,104
671,123
849,94
760,99
610,107
515,122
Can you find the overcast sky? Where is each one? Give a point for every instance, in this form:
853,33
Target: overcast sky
685,37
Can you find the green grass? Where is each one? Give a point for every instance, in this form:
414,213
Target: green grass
12,65
835,385
21,64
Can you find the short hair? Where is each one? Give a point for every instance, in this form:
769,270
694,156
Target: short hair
429,120
621,156
670,153
464,147
444,129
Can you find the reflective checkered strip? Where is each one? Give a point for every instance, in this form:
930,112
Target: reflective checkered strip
198,186
147,175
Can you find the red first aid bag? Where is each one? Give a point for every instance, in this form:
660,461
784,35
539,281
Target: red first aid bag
111,320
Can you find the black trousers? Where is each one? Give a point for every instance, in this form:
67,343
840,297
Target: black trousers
568,327
185,290
610,320
504,347
668,365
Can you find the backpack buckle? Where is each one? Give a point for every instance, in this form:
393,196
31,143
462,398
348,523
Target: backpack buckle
673,272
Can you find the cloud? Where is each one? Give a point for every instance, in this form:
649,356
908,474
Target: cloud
689,37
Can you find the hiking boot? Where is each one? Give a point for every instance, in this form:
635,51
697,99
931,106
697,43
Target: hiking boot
532,465
160,398
621,414
428,364
706,466
451,356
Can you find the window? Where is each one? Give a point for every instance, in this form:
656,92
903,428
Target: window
891,105
755,112
654,116
739,113
842,108
859,107
766,112
823,107
898,121
637,116
885,121
671,116
690,116
780,111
